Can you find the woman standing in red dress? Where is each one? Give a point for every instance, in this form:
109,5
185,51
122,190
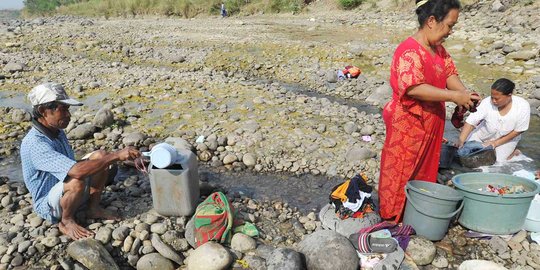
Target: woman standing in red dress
423,77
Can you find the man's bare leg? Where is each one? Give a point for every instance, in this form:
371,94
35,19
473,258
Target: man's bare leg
514,154
97,184
71,200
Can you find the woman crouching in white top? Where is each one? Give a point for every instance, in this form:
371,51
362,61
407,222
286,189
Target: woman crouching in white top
499,121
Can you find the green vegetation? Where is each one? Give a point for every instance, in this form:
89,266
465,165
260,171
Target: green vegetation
349,4
183,8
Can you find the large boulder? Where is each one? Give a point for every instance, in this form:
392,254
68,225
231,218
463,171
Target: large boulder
133,139
154,261
331,76
381,95
179,143
190,232
241,242
90,253
82,132
345,227
523,55
326,249
19,116
358,153
13,67
104,118
284,259
209,256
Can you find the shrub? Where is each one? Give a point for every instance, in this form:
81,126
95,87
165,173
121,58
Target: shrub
349,4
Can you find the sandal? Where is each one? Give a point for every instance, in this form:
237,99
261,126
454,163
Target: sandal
367,243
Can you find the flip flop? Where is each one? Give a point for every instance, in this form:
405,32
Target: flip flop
367,243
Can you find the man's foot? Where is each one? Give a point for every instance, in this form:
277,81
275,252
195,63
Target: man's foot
100,213
73,230
514,154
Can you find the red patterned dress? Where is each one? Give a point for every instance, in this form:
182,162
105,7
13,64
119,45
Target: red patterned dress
414,128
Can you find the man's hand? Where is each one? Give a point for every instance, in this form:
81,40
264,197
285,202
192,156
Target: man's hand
128,153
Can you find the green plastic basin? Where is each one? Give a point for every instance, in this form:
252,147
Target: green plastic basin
490,212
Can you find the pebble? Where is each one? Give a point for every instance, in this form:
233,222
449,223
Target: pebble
50,241
158,228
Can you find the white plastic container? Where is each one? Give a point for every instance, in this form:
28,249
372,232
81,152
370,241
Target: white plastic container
175,189
532,221
163,155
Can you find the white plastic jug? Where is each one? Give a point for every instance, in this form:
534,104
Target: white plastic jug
163,155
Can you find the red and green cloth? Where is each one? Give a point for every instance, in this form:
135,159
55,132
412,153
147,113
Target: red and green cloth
214,221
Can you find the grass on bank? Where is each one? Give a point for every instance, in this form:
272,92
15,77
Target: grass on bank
182,8
186,8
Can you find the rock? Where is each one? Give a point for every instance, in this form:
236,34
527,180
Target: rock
328,250
284,259
135,138
440,262
19,116
13,67
159,228
523,55
179,143
190,233
154,261
480,265
50,241
357,153
519,237
83,131
177,59
104,235
498,244
91,254
241,242
331,76
209,256
497,6
176,240
421,250
249,160
255,262
229,159
165,250
367,130
348,226
104,118
536,94
381,95
120,233
350,127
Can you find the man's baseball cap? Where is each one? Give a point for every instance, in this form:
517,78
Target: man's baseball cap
48,92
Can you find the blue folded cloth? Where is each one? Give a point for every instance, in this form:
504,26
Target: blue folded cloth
471,148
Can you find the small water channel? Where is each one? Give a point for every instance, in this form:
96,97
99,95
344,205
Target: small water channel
307,192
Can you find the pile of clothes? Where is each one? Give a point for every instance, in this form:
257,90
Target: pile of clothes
502,190
352,198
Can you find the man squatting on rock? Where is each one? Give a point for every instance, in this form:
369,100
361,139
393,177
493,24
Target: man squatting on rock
60,185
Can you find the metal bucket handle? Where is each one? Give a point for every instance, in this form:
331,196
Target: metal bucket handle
423,211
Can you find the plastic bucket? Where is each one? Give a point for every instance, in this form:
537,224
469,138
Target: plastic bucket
163,155
448,153
430,208
532,221
490,212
